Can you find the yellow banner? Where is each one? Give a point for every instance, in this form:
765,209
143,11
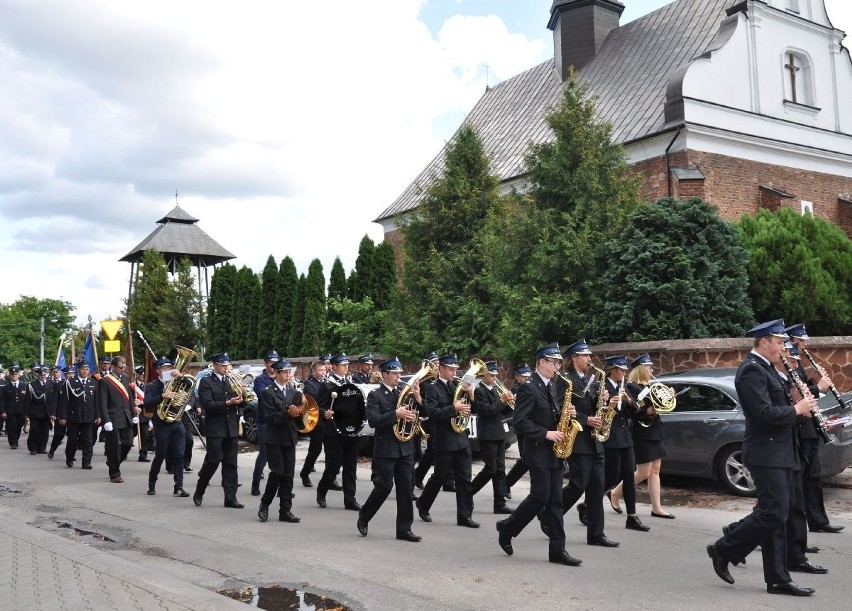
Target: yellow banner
112,345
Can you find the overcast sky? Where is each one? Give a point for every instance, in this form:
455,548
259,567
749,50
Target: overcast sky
286,127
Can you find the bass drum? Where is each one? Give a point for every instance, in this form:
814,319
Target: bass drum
350,410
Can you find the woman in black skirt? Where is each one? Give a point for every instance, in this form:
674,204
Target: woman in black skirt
648,446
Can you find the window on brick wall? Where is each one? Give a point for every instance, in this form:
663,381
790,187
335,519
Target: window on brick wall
798,79
807,207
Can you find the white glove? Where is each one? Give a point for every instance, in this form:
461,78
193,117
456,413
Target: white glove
242,420
108,427
150,425
135,420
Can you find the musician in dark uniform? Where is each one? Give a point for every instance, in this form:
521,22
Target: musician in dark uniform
40,407
364,375
221,405
146,440
393,460
426,459
452,449
77,411
276,401
490,407
13,405
261,383
57,387
810,441
316,388
619,461
2,386
586,463
101,373
536,417
170,436
341,451
769,451
118,410
522,376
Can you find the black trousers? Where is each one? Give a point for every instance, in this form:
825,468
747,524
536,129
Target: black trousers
118,444
14,424
147,440
39,432
220,450
494,456
459,462
387,473
545,498
80,435
765,526
314,448
797,523
812,484
340,452
282,467
620,466
587,476
58,436
519,468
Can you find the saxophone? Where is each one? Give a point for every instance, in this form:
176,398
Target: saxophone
602,434
567,425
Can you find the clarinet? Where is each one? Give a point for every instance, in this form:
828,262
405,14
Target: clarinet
821,426
821,371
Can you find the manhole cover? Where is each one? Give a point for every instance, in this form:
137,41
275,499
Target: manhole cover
277,598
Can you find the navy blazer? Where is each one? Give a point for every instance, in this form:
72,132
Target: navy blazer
769,438
381,415
220,420
14,400
536,413
440,409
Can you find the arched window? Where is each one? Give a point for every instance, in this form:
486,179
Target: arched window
798,79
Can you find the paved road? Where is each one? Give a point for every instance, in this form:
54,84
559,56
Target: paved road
163,552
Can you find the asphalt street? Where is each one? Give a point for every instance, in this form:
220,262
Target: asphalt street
213,548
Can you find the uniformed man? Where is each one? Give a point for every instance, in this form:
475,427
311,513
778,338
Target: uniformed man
316,388
13,404
522,376
490,407
276,401
364,375
77,411
259,384
40,408
146,441
118,410
221,406
393,462
56,389
769,451
169,435
427,458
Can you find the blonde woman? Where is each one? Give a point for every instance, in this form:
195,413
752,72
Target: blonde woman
648,445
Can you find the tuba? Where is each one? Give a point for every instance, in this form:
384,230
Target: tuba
476,372
405,430
171,410
567,425
663,399
310,409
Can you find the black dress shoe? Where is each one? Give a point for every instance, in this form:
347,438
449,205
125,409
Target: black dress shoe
187,469
407,535
583,514
255,488
668,516
504,539
564,558
508,494
611,504
306,482
807,567
788,588
50,454
69,463
234,504
424,515
288,516
720,565
353,506
362,526
32,452
41,451
419,485
449,488
828,528
812,549
604,542
263,512
197,498
180,492
151,490
321,501
335,486
634,523
87,466
170,471
502,509
143,459
468,523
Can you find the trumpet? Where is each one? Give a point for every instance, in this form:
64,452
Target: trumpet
510,398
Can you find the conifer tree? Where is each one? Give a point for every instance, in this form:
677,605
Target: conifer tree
297,319
313,332
361,278
288,281
219,312
266,339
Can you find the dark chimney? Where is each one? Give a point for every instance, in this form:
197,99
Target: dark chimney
579,28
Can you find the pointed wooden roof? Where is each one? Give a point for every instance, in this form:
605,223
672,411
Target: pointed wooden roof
178,237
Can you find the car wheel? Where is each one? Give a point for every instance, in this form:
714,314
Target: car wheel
733,473
250,428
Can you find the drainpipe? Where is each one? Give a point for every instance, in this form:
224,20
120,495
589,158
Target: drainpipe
668,167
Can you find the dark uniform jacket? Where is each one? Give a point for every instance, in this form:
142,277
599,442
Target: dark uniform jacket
381,415
39,400
584,403
536,413
280,427
14,400
115,398
76,402
489,412
222,421
359,377
807,426
53,387
261,383
653,432
620,433
769,438
331,383
440,409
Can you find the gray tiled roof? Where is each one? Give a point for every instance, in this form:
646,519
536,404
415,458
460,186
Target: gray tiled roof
628,77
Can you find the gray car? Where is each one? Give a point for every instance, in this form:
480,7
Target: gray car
704,434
